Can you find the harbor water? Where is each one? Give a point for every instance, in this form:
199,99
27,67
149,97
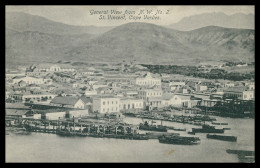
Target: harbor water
43,147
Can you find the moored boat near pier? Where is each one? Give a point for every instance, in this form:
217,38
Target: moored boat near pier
207,129
222,137
179,140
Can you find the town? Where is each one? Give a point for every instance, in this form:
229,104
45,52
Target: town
80,100
118,88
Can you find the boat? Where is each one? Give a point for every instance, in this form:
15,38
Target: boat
139,137
241,152
130,114
179,129
156,135
222,137
223,123
216,123
179,140
169,127
192,133
226,128
148,127
207,129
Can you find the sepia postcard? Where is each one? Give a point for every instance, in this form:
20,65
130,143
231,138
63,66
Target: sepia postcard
130,84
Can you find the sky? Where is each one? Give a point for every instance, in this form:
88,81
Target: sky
81,15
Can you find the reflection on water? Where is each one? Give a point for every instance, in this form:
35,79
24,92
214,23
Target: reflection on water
40,147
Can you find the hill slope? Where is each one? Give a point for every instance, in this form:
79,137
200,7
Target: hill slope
152,44
239,20
143,42
32,46
25,22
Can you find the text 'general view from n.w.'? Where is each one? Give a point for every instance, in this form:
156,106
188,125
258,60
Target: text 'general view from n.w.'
130,84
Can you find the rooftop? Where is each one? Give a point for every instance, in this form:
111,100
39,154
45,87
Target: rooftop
68,100
235,89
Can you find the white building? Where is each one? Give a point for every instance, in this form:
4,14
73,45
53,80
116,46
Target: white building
55,115
177,83
53,68
90,92
177,100
200,88
148,80
131,103
229,84
68,101
250,86
28,80
239,93
147,93
35,96
105,104
10,75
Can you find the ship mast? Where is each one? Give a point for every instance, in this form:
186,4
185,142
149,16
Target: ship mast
205,115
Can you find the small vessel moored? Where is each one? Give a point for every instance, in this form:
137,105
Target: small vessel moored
148,127
226,128
207,129
222,137
179,140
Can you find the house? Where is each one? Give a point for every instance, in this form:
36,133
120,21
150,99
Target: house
74,85
177,100
209,102
177,83
131,103
105,104
99,85
90,92
32,95
144,94
10,75
87,102
53,67
250,86
20,111
154,102
33,86
51,87
147,80
131,93
104,90
54,114
28,80
229,84
241,93
68,101
200,87
22,83
118,79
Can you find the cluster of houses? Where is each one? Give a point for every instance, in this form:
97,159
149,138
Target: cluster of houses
110,89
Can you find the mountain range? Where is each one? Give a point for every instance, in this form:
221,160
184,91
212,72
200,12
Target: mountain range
238,20
28,42
21,21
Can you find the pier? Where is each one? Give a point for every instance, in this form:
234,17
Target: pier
70,128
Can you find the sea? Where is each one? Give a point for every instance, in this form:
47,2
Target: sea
44,147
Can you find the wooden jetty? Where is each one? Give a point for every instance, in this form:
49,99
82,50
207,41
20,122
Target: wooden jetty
70,128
